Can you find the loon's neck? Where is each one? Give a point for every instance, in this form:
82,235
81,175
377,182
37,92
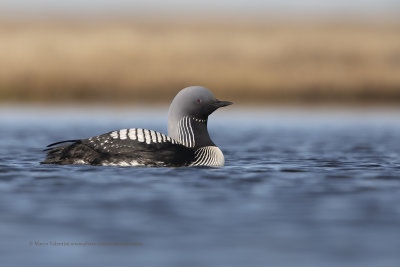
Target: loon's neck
190,131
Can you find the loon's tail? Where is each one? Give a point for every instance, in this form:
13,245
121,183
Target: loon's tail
57,155
61,142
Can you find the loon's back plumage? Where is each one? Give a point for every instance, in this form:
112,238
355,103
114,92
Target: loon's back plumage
126,147
189,145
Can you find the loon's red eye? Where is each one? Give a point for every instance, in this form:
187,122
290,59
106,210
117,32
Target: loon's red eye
199,101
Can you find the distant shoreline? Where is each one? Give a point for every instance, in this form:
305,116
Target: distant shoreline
130,61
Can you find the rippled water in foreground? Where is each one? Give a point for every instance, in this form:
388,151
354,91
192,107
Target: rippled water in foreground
300,188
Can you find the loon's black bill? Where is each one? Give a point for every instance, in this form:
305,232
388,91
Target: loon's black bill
221,104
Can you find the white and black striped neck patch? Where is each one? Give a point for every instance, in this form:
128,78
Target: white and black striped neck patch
142,135
208,156
186,132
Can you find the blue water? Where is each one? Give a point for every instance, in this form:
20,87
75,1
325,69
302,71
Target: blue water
300,187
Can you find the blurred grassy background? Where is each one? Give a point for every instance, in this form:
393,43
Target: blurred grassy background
123,60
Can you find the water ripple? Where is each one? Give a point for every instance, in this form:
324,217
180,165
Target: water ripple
298,190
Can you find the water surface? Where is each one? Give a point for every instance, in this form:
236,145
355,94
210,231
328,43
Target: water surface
300,188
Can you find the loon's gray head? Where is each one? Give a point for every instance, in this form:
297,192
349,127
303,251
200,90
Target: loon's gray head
188,114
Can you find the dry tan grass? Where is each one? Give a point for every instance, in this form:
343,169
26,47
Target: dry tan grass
133,61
